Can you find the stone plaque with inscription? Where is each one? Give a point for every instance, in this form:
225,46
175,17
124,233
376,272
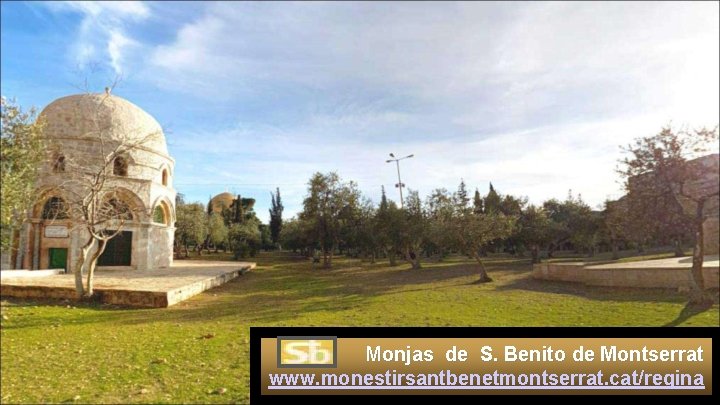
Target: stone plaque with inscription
56,231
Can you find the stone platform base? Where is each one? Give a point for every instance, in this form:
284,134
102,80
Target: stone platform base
150,288
29,273
662,273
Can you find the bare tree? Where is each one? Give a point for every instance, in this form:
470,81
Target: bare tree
94,181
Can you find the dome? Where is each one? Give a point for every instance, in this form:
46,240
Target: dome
221,200
79,115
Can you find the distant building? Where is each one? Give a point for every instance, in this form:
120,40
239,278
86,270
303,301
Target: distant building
234,208
708,184
141,178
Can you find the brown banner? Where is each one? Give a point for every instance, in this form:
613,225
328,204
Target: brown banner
319,365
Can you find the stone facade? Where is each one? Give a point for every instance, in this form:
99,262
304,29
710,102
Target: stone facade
708,183
80,130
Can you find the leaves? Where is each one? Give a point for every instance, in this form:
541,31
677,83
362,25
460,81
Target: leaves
21,152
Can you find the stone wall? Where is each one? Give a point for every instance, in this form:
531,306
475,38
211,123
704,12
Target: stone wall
648,278
574,272
642,277
711,230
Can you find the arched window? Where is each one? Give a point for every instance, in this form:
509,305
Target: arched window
159,215
116,209
55,208
164,177
59,163
120,166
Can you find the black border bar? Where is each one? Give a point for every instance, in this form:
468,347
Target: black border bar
257,333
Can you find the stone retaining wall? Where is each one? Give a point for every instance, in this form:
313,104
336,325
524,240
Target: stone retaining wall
645,277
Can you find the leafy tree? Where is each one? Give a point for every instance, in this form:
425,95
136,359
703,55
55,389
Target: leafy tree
478,203
296,236
492,202
658,166
534,230
388,225
217,230
571,221
21,152
461,195
511,205
328,206
615,217
191,226
585,226
276,216
414,229
244,238
657,217
266,242
471,231
440,208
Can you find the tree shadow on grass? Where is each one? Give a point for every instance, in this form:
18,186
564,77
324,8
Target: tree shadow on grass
278,291
688,312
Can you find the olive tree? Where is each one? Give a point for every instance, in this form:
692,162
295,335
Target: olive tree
662,165
21,152
470,230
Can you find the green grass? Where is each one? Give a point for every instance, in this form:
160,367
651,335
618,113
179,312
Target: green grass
57,352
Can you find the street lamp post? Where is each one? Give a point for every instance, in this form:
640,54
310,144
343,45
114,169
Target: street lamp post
399,184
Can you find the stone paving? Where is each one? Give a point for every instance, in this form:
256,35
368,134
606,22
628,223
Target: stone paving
150,288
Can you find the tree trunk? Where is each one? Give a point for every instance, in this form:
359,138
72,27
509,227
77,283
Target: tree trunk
551,250
327,258
591,251
484,278
372,257
79,266
678,248
187,251
535,251
91,267
413,259
615,251
697,293
391,257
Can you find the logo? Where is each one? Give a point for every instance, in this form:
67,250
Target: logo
307,351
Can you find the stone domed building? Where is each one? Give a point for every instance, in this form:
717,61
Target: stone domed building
91,133
221,201
234,207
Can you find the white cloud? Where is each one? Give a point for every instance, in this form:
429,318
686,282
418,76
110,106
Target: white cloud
116,46
102,36
533,97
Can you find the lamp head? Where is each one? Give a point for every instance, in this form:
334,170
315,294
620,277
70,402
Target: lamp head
409,156
392,155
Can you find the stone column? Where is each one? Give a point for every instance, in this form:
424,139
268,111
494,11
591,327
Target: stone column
22,241
141,246
36,246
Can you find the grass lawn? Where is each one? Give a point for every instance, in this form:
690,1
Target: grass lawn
57,352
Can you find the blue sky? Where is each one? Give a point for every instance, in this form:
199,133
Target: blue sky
535,97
